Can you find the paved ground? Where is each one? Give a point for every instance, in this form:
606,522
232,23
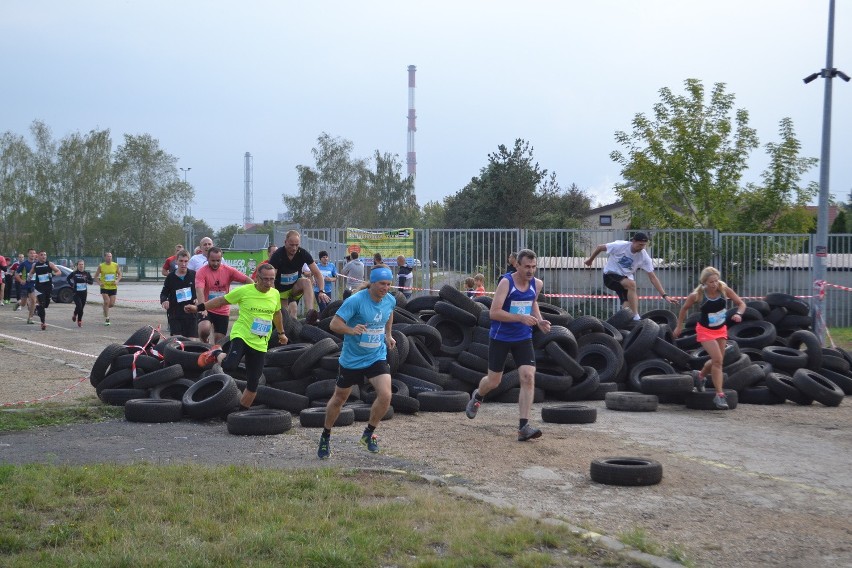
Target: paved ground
756,486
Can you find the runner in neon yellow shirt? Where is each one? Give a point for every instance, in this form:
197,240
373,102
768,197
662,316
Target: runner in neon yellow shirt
108,275
260,310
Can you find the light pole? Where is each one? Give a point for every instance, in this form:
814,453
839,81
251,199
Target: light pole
187,226
821,245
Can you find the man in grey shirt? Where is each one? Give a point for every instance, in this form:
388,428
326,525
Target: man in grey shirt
353,272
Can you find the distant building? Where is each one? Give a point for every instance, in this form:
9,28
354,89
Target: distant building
832,212
612,216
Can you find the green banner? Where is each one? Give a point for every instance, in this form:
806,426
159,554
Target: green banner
244,260
390,244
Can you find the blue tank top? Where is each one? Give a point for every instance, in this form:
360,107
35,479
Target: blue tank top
516,302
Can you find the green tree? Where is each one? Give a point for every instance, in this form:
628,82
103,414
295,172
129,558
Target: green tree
148,193
336,188
396,203
15,164
778,205
682,167
45,197
225,235
432,215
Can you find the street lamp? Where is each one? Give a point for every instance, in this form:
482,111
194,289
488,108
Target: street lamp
187,226
821,245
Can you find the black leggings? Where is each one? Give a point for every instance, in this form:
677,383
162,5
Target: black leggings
79,304
254,362
42,302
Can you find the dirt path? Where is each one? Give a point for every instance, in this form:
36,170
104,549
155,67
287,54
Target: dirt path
755,486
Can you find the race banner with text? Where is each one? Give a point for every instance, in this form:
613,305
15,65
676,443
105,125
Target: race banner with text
390,244
244,260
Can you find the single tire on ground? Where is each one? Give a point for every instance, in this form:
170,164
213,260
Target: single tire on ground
259,422
153,410
626,471
569,414
631,401
315,417
443,401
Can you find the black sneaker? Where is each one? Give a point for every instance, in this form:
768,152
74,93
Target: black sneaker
312,317
324,447
528,433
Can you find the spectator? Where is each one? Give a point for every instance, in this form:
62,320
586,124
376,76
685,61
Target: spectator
170,265
469,284
479,281
405,275
329,276
353,272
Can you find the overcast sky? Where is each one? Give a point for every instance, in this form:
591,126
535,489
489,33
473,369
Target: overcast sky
215,79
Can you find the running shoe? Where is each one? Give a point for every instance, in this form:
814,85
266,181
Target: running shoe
721,401
43,326
208,357
472,405
312,317
528,433
74,317
106,321
79,323
371,441
29,320
698,381
17,307
324,447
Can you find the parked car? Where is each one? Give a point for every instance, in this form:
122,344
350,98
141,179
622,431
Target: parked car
62,291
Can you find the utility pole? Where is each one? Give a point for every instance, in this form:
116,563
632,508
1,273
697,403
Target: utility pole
187,225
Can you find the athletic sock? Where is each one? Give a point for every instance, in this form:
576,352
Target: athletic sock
522,422
326,432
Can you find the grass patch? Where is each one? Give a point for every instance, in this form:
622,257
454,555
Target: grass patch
25,417
190,515
842,336
639,539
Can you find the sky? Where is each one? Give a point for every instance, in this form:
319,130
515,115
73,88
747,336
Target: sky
214,79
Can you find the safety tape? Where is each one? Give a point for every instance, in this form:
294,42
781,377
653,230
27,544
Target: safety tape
13,338
48,397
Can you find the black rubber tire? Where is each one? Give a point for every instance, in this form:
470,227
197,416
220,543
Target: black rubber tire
401,346
837,364
330,309
732,354
762,307
154,410
424,373
793,304
783,386
404,404
144,362
738,365
368,393
662,317
744,378
459,299
312,355
185,354
457,314
104,361
472,361
455,337
585,324
143,337
462,373
639,344
417,386
704,400
120,379
281,399
569,414
565,361
285,355
315,334
626,471
512,395
602,390
419,353
362,411
785,358
606,362
665,350
158,377
647,367
760,395
259,422
631,401
818,387
666,384
808,343
119,397
443,401
621,319
315,417
552,380
843,380
756,334
171,391
430,336
582,388
558,334
211,396
421,303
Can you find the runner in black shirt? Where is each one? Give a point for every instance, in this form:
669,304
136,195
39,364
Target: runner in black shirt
79,281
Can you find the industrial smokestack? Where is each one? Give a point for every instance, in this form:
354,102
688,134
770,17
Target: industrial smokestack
248,200
412,128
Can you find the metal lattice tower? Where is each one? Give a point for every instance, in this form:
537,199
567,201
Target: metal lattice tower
412,128
248,200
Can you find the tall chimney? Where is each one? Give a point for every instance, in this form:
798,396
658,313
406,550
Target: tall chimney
412,128
248,199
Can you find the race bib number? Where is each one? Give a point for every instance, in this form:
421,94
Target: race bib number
213,295
109,277
261,327
81,286
717,319
42,278
373,338
522,308
183,294
288,279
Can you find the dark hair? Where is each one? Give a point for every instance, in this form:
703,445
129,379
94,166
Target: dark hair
354,254
214,249
525,253
323,253
181,254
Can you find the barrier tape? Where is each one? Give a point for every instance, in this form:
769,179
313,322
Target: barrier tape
43,398
46,345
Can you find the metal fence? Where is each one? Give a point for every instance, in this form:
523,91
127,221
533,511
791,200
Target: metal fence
752,264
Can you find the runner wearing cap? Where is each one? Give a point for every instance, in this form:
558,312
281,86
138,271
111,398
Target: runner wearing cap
619,275
364,319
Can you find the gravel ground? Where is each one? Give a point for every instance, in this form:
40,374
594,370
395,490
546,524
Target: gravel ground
755,486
